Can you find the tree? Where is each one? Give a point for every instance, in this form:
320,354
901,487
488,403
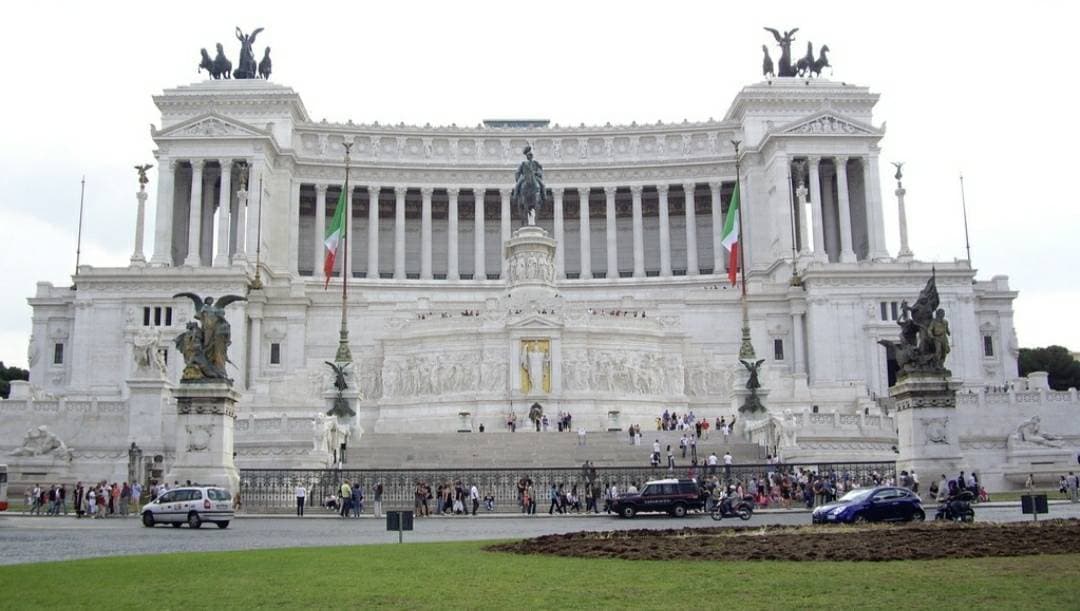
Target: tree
7,374
1057,361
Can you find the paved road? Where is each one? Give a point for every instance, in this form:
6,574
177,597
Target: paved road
25,539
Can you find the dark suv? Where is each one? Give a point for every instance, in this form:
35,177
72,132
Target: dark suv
674,496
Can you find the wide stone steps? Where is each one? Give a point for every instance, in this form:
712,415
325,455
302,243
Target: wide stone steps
530,449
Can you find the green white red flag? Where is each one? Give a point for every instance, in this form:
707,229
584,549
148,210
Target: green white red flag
334,235
730,237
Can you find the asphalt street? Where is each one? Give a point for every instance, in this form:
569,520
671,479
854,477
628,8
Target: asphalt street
26,539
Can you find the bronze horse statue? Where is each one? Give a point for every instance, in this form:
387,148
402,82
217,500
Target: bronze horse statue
767,64
529,190
821,62
806,62
222,66
264,65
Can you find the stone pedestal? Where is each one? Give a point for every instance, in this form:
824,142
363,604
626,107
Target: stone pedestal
205,418
926,421
530,256
148,425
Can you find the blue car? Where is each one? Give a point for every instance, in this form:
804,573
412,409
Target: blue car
882,504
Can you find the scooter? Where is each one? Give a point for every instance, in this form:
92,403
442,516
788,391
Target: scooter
743,509
957,508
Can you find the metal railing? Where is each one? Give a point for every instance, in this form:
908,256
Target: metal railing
274,490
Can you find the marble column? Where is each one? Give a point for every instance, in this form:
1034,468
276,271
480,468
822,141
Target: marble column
691,230
586,241
801,198
163,222
875,210
797,341
373,232
195,214
294,228
318,239
425,233
351,235
240,251
221,257
479,265
847,255
138,258
612,252
665,230
452,237
399,232
818,213
639,232
560,250
256,199
504,225
717,227
905,253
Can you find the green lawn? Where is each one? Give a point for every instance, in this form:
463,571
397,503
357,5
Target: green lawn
462,575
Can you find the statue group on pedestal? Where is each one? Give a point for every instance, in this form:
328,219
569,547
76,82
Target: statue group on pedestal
924,334
205,343
221,68
806,66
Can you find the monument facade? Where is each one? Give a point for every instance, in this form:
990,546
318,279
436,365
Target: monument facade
612,297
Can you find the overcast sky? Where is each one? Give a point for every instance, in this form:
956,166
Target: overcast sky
965,87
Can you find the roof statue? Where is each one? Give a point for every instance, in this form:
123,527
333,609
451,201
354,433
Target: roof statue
924,334
529,190
767,64
141,169
246,67
205,343
786,68
806,66
221,68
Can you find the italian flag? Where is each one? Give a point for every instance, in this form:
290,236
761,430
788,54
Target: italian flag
730,239
334,234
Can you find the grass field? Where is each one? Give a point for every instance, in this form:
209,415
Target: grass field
462,575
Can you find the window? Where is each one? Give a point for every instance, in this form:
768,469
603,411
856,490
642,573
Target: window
168,316
988,345
58,354
146,316
895,308
275,353
156,316
778,349
884,310
216,494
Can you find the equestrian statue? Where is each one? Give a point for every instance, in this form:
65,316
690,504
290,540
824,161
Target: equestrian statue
529,191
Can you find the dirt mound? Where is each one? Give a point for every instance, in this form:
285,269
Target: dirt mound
922,541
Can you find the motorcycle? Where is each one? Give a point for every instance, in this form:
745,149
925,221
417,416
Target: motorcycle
957,508
742,509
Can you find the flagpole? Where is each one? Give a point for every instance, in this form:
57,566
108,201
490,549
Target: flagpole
257,282
344,355
78,238
746,348
963,203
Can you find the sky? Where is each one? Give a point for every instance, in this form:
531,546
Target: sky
965,88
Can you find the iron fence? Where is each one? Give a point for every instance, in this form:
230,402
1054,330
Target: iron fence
274,490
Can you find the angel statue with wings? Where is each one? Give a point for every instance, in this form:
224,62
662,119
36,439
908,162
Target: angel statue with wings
205,345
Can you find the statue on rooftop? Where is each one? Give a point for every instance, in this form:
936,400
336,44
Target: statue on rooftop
786,67
246,67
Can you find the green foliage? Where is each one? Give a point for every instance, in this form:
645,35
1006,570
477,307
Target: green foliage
1057,361
7,374
463,575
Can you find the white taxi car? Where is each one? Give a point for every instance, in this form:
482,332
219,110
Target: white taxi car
193,505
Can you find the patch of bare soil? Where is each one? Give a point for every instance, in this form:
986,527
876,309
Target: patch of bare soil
920,541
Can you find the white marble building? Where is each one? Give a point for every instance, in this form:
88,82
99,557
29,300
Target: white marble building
640,318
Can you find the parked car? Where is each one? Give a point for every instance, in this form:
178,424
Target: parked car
881,504
674,496
192,505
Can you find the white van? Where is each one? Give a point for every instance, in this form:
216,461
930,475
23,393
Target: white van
193,505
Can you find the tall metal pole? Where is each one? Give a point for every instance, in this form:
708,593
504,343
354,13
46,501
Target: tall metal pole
795,281
78,238
963,203
344,355
746,348
257,282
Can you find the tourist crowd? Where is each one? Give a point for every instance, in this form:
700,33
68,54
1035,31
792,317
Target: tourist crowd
98,500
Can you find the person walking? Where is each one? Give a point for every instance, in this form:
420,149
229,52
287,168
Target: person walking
345,492
1073,482
301,498
670,459
728,460
377,495
474,496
